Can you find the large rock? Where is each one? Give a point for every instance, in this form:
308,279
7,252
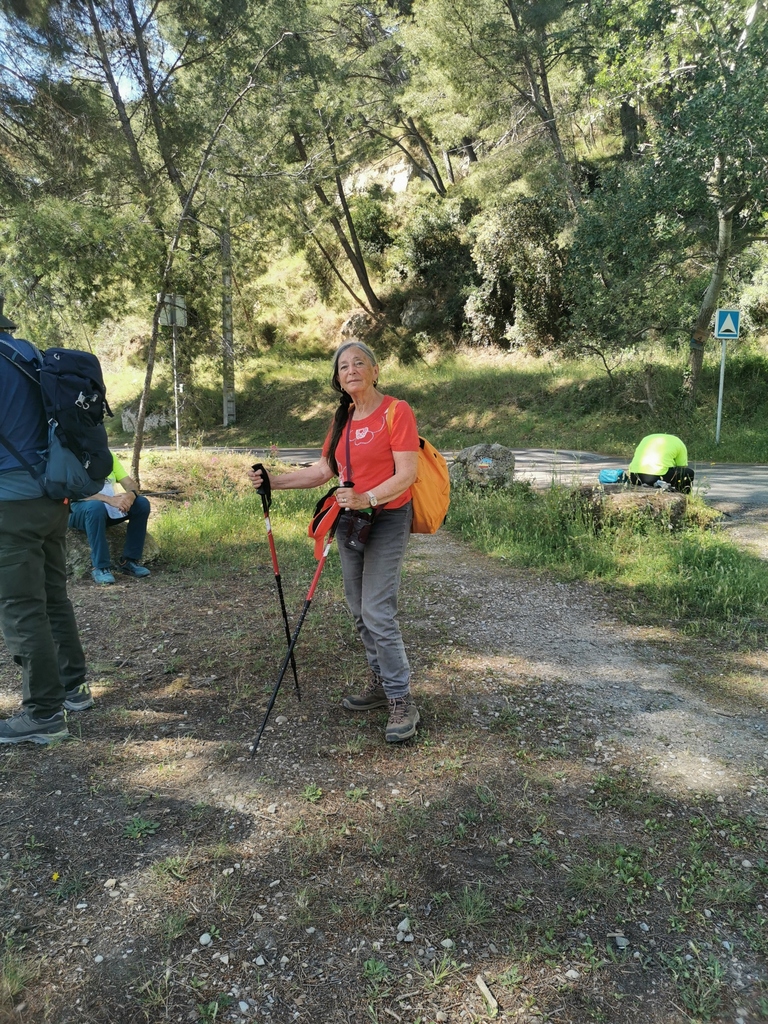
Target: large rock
484,465
79,551
634,504
357,325
416,312
152,420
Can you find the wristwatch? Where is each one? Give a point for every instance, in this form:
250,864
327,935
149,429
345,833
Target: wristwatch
372,499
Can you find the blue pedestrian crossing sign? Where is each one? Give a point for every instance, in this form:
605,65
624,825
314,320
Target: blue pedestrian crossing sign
727,323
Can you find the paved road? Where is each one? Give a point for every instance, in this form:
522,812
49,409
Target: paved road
720,483
741,484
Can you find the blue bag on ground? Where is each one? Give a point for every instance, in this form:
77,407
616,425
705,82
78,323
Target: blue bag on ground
612,476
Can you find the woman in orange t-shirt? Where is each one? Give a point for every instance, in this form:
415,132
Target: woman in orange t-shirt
376,468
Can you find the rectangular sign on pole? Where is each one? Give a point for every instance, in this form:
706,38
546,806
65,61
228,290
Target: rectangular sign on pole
174,311
727,323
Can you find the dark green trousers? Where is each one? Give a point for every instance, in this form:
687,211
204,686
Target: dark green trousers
36,616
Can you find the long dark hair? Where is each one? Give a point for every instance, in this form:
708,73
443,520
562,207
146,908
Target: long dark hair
345,402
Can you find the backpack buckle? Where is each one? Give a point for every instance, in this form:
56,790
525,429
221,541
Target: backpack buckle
82,401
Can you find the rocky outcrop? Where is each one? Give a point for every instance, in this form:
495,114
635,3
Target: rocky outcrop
484,465
357,325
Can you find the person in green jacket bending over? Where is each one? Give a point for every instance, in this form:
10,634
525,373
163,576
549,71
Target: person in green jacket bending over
661,457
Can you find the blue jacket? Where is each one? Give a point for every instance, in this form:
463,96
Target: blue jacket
22,421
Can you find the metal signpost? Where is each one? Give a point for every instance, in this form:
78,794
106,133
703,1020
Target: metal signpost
174,315
727,324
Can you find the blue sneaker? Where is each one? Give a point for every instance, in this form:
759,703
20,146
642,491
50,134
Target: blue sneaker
79,699
131,568
102,576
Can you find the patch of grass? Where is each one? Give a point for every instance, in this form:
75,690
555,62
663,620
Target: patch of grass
375,970
473,907
174,867
16,972
212,1011
174,925
695,577
699,980
439,971
70,886
140,828
312,793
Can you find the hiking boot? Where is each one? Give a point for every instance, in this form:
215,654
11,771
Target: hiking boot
403,719
24,727
79,699
131,568
102,576
373,696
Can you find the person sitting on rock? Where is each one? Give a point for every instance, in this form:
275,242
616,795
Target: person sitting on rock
93,515
661,457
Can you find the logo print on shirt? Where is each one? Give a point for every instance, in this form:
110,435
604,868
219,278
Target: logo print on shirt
364,435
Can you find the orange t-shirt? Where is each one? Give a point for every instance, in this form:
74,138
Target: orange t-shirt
371,447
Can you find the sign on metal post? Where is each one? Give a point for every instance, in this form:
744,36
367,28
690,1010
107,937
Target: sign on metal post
727,324
174,315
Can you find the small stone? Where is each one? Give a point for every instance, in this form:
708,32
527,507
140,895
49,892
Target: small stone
110,883
284,960
189,755
281,720
572,975
243,1006
721,800
441,1016
622,942
272,808
380,806
644,927
746,863
224,959
205,939
447,943
259,961
405,925
408,937
98,959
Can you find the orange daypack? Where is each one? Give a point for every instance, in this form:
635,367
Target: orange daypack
431,492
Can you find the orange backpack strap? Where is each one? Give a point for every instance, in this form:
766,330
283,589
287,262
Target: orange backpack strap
391,414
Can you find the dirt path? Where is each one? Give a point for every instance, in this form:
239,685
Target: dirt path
581,824
638,686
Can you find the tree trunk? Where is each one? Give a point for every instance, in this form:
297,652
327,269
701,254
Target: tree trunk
434,174
629,130
353,254
725,215
469,149
227,339
448,167
709,302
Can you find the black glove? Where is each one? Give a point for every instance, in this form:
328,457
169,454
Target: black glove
265,488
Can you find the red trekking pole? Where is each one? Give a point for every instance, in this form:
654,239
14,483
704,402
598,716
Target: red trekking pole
295,637
265,490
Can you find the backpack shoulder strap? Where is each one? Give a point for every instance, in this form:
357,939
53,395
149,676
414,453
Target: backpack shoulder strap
391,413
14,358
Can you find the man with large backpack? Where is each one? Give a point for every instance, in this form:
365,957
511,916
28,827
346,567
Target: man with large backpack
36,615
